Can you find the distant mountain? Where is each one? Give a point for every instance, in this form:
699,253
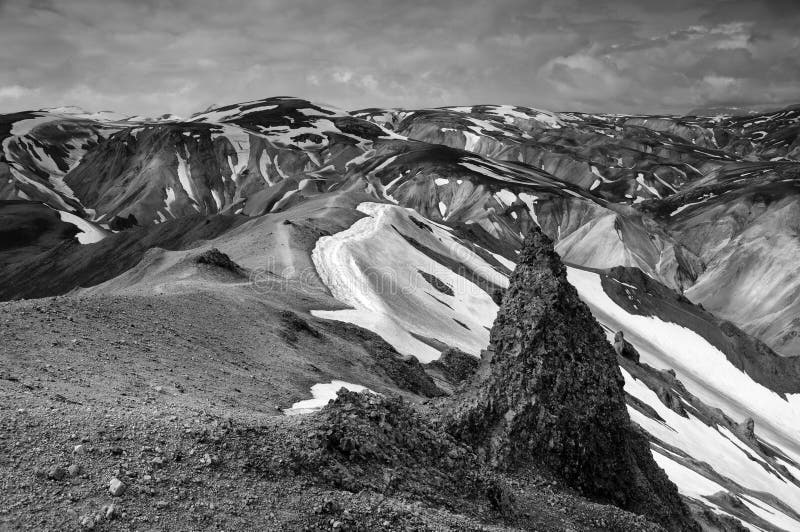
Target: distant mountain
732,110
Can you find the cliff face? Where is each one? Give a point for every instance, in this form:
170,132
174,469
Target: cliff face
552,395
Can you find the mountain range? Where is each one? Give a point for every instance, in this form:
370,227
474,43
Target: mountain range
330,235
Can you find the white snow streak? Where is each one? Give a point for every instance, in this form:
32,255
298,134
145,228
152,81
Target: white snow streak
371,268
89,233
322,394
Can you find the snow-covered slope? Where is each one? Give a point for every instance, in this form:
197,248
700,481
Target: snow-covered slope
390,282
709,376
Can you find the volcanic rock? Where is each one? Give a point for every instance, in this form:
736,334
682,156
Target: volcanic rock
116,487
215,257
456,365
552,396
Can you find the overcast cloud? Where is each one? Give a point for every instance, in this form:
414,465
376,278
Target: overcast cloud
180,56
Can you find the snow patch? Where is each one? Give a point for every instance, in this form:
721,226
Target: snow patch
170,200
89,233
505,197
703,199
217,199
185,177
322,394
470,140
529,200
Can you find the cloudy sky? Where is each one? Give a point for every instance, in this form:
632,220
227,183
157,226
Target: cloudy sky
180,56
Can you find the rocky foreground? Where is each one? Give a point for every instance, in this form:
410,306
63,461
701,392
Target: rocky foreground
79,453
364,463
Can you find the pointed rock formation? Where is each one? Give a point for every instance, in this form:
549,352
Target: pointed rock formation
624,348
551,394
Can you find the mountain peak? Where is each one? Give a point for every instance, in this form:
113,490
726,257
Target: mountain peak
553,395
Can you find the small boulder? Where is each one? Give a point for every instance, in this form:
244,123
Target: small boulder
116,487
87,522
209,460
110,511
74,470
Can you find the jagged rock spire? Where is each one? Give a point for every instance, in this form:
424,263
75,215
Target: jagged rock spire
552,395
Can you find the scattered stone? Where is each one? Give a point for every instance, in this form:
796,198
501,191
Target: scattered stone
79,449
56,473
209,460
110,511
116,487
87,522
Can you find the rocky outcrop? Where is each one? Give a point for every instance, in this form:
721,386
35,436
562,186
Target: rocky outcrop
455,366
552,396
214,257
624,348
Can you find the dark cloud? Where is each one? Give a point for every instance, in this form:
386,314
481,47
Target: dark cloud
156,56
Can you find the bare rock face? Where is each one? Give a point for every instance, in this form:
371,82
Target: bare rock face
552,396
624,348
455,365
747,429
